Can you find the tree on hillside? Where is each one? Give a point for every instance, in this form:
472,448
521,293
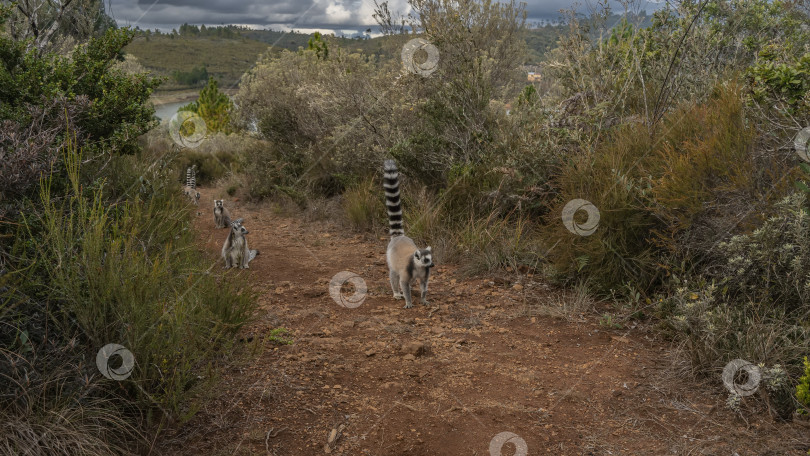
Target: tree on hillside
192,77
317,44
189,30
213,106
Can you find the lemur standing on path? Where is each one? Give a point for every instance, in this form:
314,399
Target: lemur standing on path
405,260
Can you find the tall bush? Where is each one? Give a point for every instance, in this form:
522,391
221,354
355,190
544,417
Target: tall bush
88,273
666,200
214,107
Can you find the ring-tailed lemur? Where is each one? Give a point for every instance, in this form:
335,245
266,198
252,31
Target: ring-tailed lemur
222,217
235,251
191,185
405,260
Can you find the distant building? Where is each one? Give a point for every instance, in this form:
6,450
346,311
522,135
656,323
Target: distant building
534,72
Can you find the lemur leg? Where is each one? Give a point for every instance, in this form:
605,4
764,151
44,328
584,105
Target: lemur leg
406,291
423,284
395,284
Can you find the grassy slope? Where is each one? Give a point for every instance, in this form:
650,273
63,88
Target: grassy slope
225,59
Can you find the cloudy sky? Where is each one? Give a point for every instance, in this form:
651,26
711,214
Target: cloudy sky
347,16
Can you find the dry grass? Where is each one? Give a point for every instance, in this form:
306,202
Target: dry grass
48,417
569,304
363,205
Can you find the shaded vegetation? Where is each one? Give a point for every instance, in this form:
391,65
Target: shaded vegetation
96,247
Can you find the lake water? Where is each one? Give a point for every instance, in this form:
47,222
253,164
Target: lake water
166,111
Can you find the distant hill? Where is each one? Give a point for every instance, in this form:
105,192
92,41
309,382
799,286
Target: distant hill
181,58
539,41
189,55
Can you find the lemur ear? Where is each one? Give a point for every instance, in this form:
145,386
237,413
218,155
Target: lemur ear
416,255
428,248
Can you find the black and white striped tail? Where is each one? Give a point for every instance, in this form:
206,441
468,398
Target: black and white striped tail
392,201
191,177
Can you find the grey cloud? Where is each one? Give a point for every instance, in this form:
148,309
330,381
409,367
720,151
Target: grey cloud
291,14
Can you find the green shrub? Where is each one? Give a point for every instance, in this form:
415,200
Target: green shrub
193,77
663,199
770,266
214,107
779,390
621,250
218,156
803,388
89,272
787,83
754,303
42,94
336,117
269,171
363,205
494,243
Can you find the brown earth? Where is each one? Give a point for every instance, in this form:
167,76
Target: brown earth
483,359
161,97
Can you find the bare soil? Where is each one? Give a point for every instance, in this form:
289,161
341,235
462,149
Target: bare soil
162,97
482,359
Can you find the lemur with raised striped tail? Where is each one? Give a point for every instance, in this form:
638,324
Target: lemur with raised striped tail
235,251
191,185
405,260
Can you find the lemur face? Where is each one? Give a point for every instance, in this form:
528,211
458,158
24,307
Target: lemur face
218,203
424,258
237,228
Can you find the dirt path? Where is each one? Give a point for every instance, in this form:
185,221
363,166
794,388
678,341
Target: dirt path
444,380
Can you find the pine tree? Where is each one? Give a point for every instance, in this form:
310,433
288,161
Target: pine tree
214,107
317,44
